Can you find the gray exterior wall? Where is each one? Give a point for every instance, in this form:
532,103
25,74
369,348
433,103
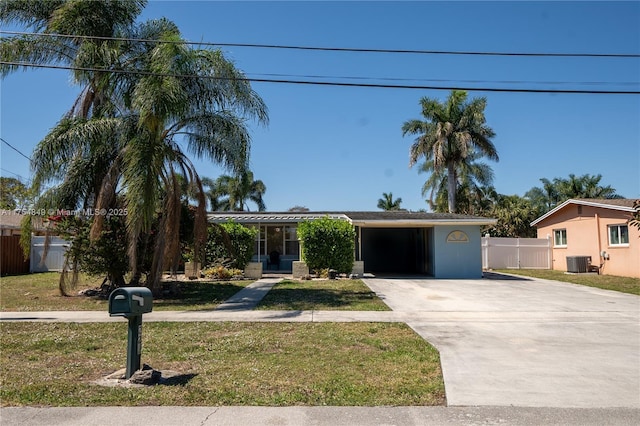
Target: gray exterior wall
457,259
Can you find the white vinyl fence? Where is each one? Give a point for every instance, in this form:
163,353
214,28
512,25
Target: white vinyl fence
516,253
54,261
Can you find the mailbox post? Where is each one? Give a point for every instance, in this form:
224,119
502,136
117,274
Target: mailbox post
131,303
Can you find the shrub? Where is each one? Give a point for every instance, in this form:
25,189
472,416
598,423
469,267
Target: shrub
232,241
327,244
222,273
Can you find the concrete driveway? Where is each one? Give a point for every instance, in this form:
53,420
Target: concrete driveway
523,341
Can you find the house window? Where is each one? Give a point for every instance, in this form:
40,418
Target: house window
291,245
560,237
260,247
618,235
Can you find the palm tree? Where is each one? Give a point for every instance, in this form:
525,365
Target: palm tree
78,169
545,198
110,18
473,180
585,186
230,193
388,203
559,190
171,100
450,132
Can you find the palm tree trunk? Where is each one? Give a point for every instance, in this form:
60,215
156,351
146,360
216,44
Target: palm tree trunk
451,187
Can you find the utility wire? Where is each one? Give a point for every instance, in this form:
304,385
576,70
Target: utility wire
15,174
328,83
438,80
15,149
337,49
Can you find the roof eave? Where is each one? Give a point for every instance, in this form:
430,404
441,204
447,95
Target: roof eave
583,203
423,222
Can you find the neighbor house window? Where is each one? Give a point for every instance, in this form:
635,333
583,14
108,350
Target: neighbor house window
618,235
560,237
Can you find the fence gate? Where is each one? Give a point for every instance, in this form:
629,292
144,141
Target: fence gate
54,261
516,253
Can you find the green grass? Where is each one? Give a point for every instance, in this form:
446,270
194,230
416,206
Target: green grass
266,364
39,292
606,282
351,295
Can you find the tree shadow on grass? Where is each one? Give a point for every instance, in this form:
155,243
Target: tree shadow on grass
313,298
199,293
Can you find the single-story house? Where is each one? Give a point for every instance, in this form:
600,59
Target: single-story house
439,245
10,222
595,228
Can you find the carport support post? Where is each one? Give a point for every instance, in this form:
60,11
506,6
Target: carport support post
134,345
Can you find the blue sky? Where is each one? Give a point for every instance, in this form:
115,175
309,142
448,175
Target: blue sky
340,148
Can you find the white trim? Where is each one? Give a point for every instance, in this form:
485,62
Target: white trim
284,218
582,203
422,222
617,225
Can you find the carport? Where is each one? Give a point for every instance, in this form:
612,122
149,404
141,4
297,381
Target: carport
439,245
397,250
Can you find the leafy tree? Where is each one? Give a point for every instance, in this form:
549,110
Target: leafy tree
105,255
298,209
327,244
635,216
14,194
230,193
124,133
449,133
232,241
514,214
388,203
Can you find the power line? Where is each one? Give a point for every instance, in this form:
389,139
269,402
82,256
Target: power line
329,83
15,149
438,80
338,49
15,174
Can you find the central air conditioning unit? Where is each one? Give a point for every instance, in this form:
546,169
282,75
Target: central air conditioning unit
578,264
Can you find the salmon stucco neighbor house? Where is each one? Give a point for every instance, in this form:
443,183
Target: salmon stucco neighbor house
596,228
439,245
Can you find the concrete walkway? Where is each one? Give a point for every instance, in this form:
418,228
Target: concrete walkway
247,298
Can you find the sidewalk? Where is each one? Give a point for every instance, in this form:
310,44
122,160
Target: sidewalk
320,416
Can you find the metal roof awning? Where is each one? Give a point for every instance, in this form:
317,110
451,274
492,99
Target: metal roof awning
363,219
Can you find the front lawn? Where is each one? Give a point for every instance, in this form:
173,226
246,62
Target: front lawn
39,292
606,282
267,364
341,294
